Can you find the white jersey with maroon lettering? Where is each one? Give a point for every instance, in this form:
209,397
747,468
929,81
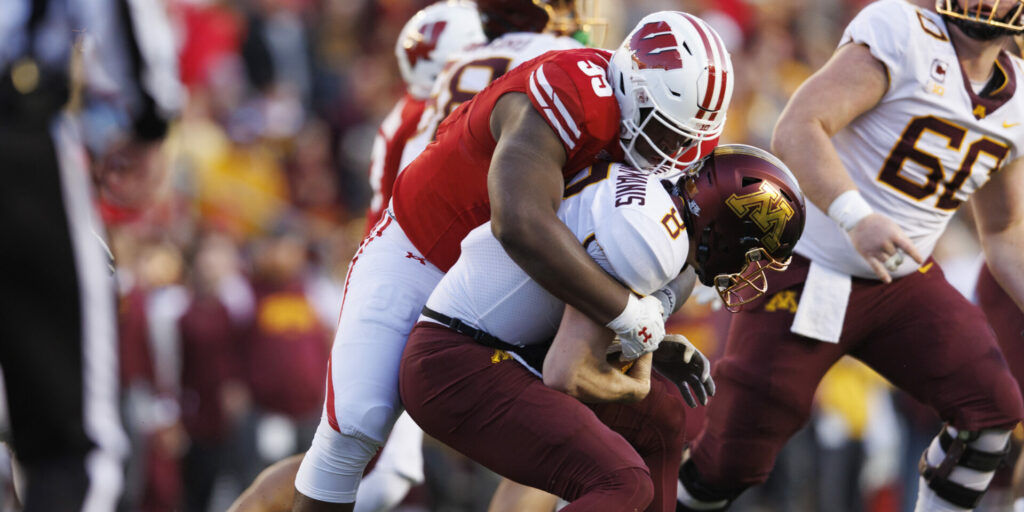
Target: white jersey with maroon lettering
624,218
931,141
473,70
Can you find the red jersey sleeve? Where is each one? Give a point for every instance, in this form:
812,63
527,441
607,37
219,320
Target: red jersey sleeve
571,92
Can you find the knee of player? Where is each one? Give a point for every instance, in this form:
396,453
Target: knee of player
959,464
669,421
1008,397
995,400
346,453
373,418
625,489
727,467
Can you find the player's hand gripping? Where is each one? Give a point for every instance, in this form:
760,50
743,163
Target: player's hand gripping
882,243
640,326
687,367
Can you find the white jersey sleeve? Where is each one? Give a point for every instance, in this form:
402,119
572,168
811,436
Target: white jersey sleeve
637,244
884,28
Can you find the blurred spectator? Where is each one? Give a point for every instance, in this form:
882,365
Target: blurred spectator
149,402
213,394
286,349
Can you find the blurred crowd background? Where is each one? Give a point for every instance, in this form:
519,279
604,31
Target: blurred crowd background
231,278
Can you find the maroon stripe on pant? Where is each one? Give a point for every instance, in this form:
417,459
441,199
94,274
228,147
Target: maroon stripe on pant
491,409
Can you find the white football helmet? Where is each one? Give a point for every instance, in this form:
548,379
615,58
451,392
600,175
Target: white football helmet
673,80
431,37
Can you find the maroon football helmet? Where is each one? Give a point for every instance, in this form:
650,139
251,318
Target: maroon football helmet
577,18
744,213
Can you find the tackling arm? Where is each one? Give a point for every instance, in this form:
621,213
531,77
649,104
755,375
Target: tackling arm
802,139
525,186
999,213
577,364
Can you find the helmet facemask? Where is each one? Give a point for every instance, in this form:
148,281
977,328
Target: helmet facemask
750,283
655,143
981,22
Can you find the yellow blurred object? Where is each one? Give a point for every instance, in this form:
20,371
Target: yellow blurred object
25,76
282,313
847,389
240,188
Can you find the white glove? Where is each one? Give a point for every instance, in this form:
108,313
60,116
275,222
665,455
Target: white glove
640,326
687,367
707,295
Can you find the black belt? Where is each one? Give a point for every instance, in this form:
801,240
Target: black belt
533,355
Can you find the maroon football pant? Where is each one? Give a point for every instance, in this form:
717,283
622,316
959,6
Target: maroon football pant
1006,320
918,332
494,411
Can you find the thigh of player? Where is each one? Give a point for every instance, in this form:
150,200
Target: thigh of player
937,346
386,286
496,412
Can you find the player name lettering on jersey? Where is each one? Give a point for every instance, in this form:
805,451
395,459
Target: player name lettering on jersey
630,187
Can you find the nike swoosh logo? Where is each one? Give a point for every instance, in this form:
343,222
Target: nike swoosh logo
1007,124
926,267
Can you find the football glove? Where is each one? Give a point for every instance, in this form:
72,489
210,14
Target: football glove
684,365
640,326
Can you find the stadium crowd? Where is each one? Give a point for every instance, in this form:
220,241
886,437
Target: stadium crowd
230,277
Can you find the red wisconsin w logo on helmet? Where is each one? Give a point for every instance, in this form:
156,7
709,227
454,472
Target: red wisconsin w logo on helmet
420,45
655,46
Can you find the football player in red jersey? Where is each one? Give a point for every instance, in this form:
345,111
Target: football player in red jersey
426,43
926,118
505,155
431,37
